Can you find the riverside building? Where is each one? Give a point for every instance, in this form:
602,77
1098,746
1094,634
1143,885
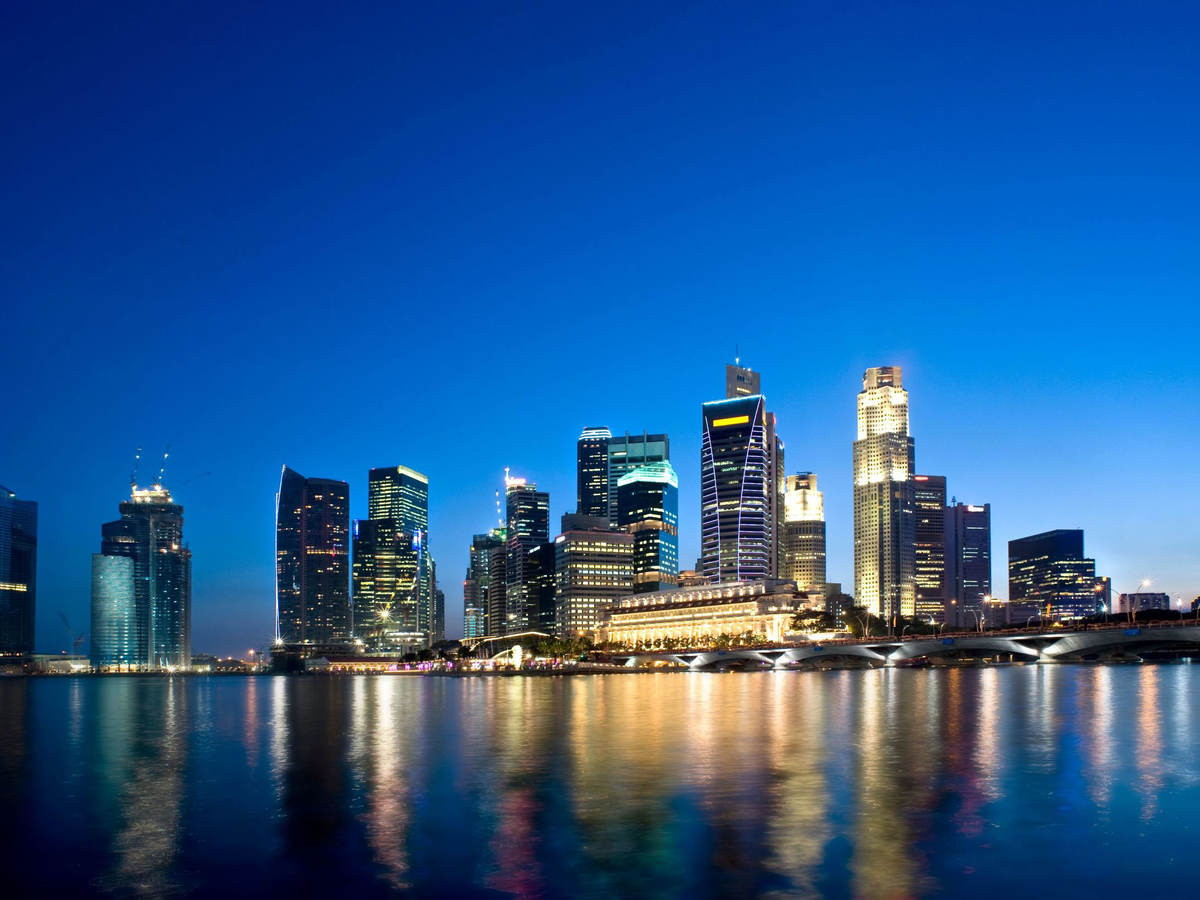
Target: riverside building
929,547
594,567
1050,572
18,575
648,508
802,534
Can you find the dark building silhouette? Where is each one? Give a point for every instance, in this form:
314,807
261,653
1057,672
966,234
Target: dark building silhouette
929,546
1050,571
18,573
528,512
591,482
312,560
477,583
968,556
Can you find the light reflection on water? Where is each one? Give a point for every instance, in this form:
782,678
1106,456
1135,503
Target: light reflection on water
890,783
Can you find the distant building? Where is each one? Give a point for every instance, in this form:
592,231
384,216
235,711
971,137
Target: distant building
497,594
312,560
1050,570
18,574
698,616
393,570
838,604
884,519
648,508
1140,601
627,452
593,569
968,558
145,625
541,580
528,526
802,541
929,546
477,582
591,479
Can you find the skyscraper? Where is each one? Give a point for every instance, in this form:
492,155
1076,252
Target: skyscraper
593,569
312,560
1050,570
18,573
648,508
929,546
627,452
884,531
150,625
736,530
802,541
741,382
393,570
528,511
591,480
968,555
478,581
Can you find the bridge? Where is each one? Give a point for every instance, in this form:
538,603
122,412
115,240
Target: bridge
1100,643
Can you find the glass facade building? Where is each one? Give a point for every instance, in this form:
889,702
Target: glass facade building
18,574
929,547
312,560
477,582
736,529
117,640
1050,571
528,517
591,480
884,519
627,452
802,534
969,554
648,508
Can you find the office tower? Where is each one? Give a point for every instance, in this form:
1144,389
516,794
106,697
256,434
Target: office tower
929,547
477,583
18,573
541,588
1138,601
393,571
439,615
497,594
528,515
741,382
148,627
968,556
736,530
593,569
627,452
1050,570
312,560
591,480
802,535
884,531
648,508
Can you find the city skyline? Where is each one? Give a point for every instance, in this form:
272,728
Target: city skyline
1002,203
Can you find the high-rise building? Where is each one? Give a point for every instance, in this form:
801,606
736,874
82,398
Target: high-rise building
393,570
648,508
312,560
477,583
156,632
929,546
884,532
528,512
591,481
627,452
968,557
593,569
497,593
741,382
802,534
1050,570
18,574
736,529
541,587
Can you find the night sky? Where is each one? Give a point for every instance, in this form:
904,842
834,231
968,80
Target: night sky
451,236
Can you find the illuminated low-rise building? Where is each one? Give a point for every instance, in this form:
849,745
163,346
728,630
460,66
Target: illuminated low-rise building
700,615
593,570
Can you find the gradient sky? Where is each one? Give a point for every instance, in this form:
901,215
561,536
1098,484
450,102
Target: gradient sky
451,236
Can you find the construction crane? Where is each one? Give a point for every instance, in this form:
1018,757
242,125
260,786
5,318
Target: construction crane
76,639
137,458
162,470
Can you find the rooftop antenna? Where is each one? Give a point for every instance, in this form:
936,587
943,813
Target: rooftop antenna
137,458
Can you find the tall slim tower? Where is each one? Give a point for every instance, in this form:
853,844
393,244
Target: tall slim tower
477,583
969,554
883,496
312,560
802,542
591,480
929,546
18,573
648,508
528,526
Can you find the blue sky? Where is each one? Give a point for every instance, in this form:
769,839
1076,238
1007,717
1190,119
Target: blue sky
451,237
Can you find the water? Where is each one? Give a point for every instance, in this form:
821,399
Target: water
993,782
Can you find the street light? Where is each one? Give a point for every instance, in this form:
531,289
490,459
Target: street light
1145,583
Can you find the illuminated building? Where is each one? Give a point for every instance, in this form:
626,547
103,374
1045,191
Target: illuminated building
18,573
497,593
968,557
736,530
591,481
478,581
648,508
148,627
528,511
627,452
802,534
393,571
593,568
1050,571
930,583
697,616
439,607
883,497
312,560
